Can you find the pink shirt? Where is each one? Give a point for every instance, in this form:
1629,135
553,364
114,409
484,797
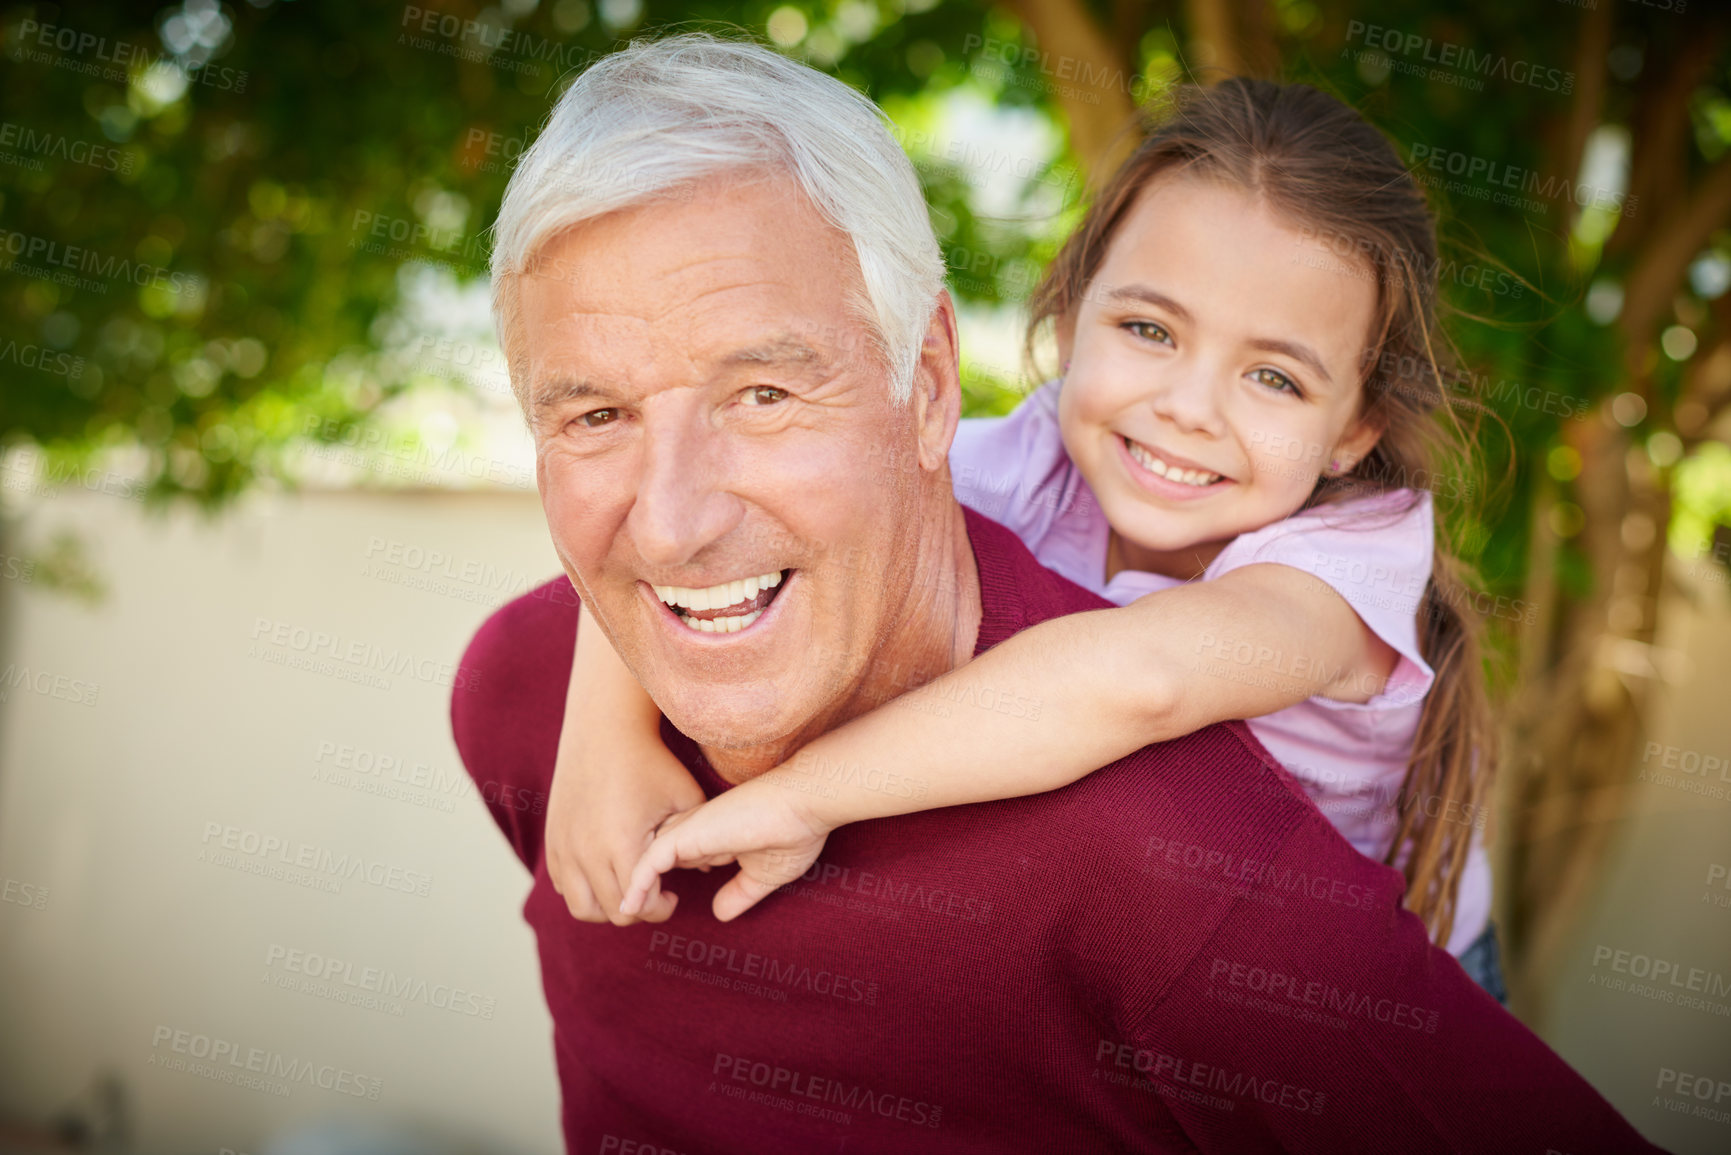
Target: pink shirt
1374,551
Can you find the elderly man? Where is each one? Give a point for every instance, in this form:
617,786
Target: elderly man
723,309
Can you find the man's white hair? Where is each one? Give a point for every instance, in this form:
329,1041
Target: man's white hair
646,121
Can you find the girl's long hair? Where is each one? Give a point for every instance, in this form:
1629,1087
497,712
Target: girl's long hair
1323,168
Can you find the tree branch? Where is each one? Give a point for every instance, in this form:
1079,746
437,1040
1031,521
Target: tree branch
1591,49
1665,257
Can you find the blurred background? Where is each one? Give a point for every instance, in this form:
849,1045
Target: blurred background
263,477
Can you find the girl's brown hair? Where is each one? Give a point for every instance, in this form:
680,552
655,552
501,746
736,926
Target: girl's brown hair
1321,166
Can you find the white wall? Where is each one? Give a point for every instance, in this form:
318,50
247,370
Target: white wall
1661,901
106,806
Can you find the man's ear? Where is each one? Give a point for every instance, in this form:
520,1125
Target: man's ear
937,391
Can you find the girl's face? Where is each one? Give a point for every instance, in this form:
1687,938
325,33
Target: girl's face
1213,375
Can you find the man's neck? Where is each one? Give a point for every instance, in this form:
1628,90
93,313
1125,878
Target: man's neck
935,632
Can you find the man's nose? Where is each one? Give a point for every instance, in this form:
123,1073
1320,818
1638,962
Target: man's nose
1189,397
683,501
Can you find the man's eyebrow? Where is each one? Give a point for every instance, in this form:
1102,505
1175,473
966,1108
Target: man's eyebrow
775,351
1298,351
559,390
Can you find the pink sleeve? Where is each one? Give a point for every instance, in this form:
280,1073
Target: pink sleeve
1376,553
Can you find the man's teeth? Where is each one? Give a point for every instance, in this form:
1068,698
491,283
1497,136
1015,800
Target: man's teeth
719,597
728,625
1170,472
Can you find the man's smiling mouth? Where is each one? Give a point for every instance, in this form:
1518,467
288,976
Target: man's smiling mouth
726,608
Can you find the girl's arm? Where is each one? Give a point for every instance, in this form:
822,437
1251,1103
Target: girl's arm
1098,686
613,784
1038,711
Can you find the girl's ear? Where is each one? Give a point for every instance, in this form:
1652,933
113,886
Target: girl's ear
1354,445
1065,333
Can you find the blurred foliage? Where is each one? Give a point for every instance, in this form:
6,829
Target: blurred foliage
274,168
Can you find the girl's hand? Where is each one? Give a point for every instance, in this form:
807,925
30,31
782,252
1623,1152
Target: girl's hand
758,824
610,790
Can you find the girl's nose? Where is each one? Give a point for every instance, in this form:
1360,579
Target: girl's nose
1189,398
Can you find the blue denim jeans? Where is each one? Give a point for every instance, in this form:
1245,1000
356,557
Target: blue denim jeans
1483,962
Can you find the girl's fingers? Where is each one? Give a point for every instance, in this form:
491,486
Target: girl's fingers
660,906
740,894
646,875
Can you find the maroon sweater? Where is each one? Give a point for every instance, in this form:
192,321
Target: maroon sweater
1176,953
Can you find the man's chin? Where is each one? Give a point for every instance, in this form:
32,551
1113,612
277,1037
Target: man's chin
733,718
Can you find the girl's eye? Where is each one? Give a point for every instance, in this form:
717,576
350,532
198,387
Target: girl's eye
1148,330
765,395
599,417
1277,381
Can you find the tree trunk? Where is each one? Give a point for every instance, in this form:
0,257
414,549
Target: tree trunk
1093,82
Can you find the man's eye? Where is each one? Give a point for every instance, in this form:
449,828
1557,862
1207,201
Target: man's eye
1149,331
597,417
1277,381
764,395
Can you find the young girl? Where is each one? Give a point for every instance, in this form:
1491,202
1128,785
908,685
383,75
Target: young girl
1239,454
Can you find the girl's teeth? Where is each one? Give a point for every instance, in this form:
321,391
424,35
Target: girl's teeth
1154,465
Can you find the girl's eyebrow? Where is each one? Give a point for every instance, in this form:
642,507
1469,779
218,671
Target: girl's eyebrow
1125,294
1297,350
